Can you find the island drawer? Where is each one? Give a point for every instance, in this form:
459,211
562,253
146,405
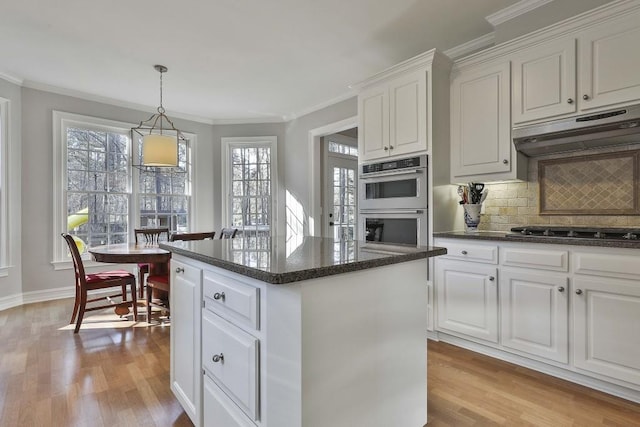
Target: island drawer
471,251
219,410
234,300
613,264
231,357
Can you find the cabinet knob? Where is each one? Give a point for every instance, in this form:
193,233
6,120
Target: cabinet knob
505,161
464,252
570,101
585,97
391,147
578,291
491,278
560,288
386,148
219,296
179,270
218,358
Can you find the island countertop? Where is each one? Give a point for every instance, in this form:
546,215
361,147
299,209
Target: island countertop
279,261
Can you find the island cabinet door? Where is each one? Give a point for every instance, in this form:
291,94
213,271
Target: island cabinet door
185,301
535,313
467,295
606,322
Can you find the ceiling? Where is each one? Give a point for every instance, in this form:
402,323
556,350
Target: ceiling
242,60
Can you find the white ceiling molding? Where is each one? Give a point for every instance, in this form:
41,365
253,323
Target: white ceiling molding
471,46
111,101
11,79
514,11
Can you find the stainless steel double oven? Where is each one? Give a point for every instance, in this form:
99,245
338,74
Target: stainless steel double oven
393,201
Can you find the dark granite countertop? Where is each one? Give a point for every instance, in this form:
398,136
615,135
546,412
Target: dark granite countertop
278,261
502,236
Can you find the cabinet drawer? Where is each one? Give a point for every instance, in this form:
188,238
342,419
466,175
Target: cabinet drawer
536,258
612,265
231,357
236,301
219,411
472,252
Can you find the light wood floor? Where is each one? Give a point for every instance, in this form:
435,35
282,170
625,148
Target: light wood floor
119,376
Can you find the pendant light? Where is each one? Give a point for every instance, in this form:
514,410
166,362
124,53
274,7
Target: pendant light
159,136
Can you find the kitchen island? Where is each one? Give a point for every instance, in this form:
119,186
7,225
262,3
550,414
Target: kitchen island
305,332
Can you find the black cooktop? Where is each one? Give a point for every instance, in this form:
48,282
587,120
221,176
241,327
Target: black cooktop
576,232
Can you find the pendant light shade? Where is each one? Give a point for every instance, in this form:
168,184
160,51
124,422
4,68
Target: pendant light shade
159,136
160,150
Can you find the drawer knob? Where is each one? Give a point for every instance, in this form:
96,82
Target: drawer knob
464,252
570,101
218,358
491,278
179,270
219,296
560,288
386,148
578,291
505,161
391,147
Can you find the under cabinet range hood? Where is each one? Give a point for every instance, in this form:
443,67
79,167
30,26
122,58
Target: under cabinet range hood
607,128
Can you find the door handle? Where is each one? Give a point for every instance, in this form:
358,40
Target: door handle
331,224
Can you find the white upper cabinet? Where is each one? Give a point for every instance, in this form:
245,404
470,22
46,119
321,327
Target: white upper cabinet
481,148
610,63
393,107
544,81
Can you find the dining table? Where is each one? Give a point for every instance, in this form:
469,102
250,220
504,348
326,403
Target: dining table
134,253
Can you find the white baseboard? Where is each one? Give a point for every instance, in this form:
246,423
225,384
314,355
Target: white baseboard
36,296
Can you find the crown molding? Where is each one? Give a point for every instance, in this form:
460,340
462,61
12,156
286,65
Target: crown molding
471,46
11,79
295,115
515,10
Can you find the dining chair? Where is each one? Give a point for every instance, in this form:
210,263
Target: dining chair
94,281
192,236
228,233
161,282
149,236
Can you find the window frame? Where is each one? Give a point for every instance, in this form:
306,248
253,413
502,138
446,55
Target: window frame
5,255
61,121
227,144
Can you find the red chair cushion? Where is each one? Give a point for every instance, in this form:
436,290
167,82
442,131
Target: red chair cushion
108,275
161,279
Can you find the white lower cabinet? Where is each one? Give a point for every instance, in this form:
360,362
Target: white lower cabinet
535,313
571,311
185,302
468,299
606,321
219,410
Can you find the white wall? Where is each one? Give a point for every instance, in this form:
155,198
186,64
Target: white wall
11,285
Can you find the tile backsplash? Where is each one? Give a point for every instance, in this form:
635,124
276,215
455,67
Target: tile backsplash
517,203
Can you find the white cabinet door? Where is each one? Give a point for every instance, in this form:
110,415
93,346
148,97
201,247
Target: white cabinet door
408,114
544,81
467,295
609,63
606,322
373,127
481,124
535,313
219,411
185,302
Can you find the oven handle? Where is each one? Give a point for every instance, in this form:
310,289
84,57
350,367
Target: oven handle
391,173
390,211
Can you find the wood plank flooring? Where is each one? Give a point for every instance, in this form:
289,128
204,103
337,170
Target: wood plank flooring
116,374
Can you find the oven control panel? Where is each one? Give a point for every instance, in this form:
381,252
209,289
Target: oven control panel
390,165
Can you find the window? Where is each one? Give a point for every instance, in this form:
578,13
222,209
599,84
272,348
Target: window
99,197
249,182
337,147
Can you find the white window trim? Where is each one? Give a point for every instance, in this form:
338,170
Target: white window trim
229,142
5,254
61,120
